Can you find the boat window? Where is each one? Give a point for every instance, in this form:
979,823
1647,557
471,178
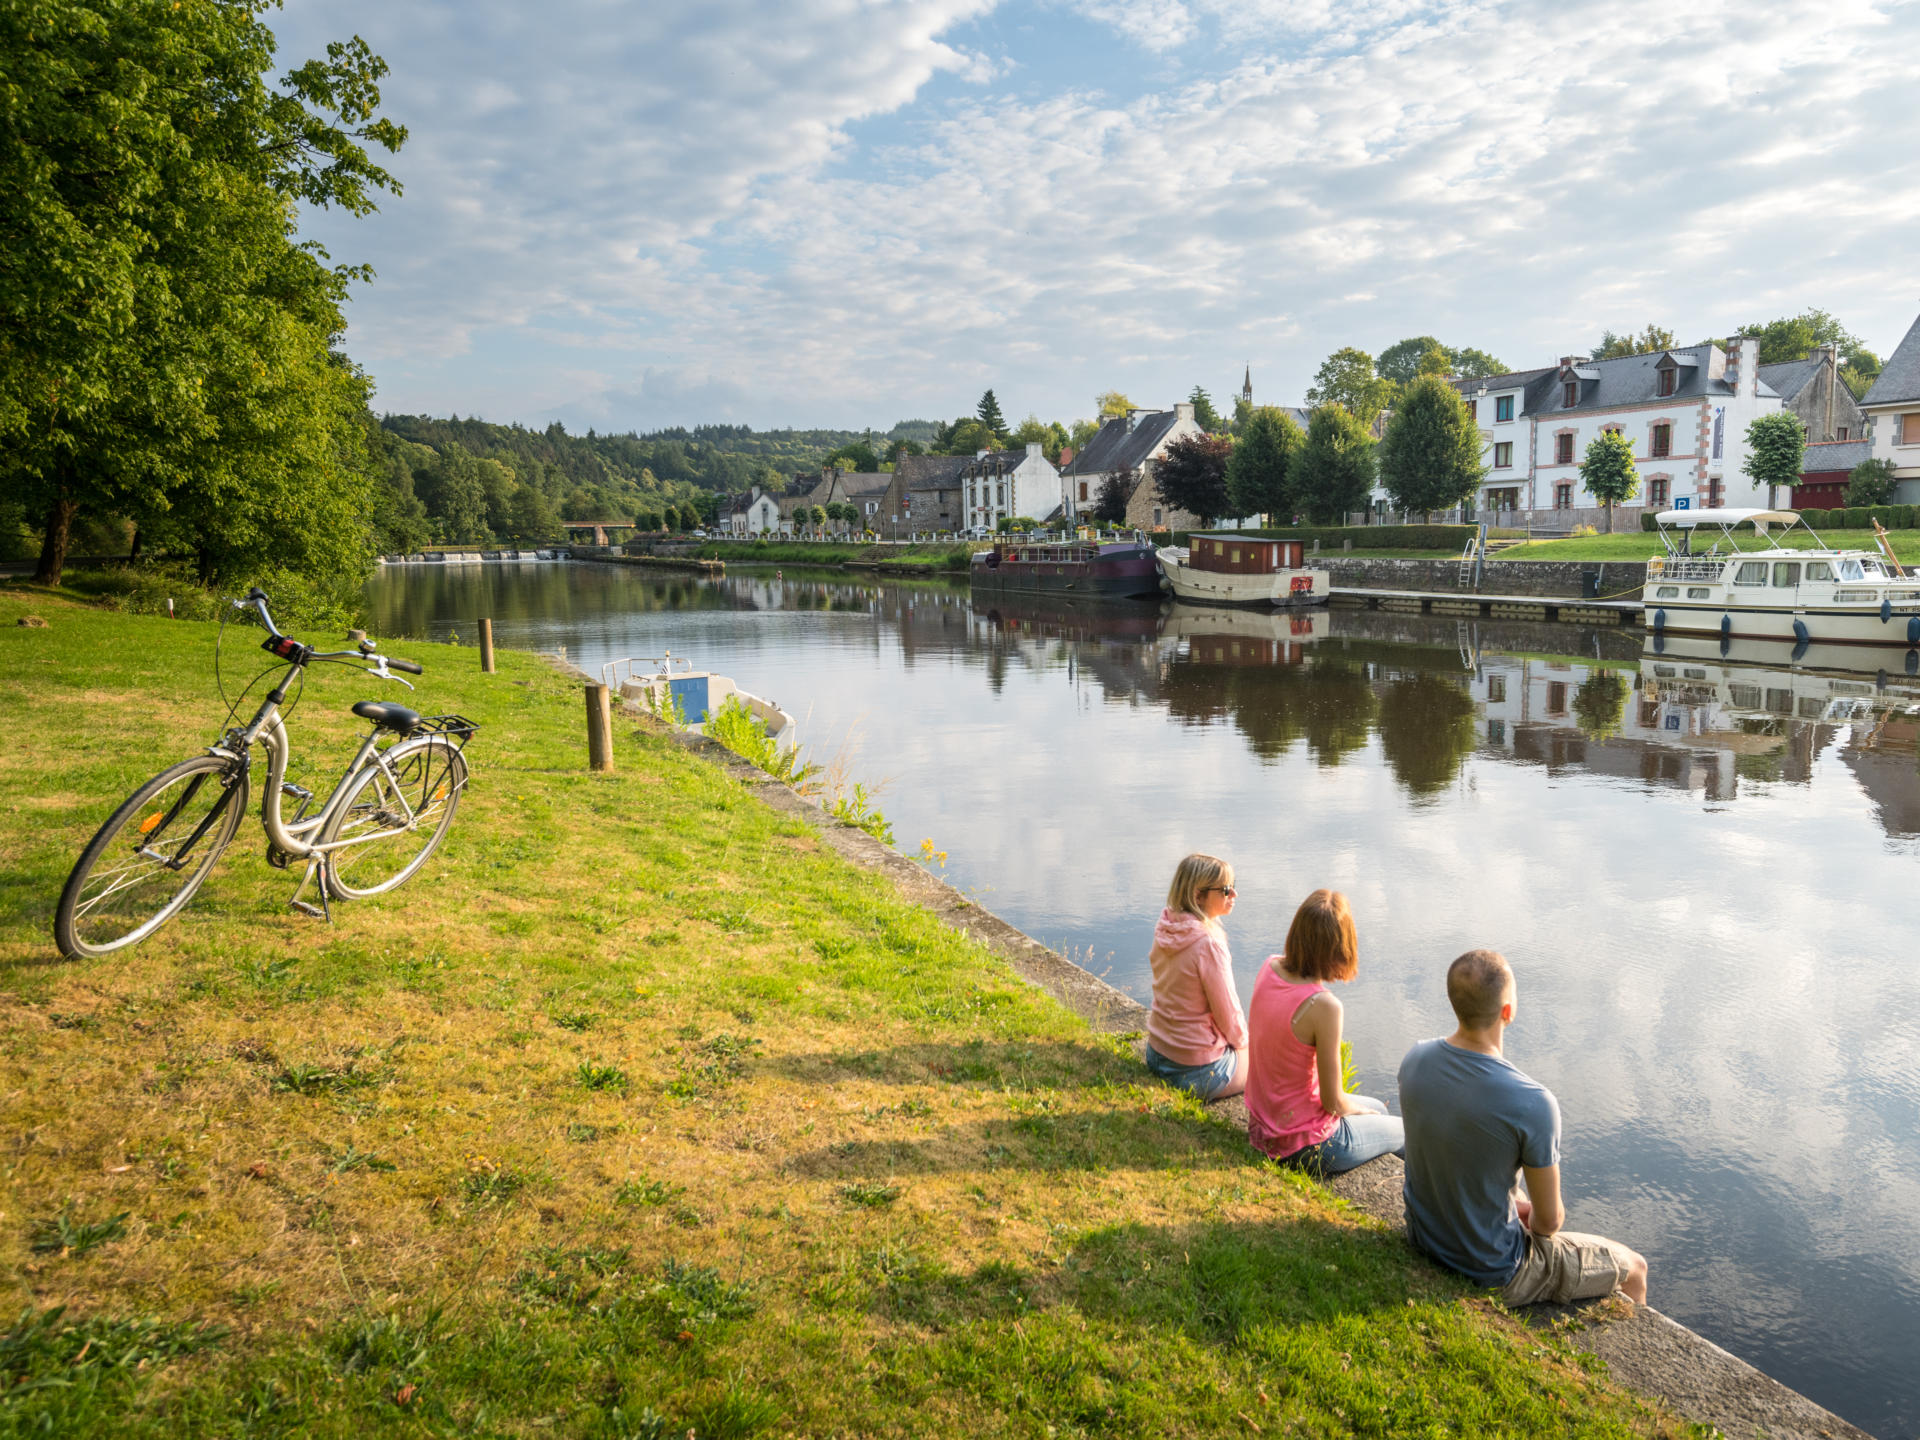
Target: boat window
1744,697
1810,708
1850,570
1234,555
1853,597
1698,592
1664,670
1752,572
1694,674
1786,572
1819,570
1667,592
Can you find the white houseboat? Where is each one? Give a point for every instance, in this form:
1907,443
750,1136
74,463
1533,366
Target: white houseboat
1800,593
1232,569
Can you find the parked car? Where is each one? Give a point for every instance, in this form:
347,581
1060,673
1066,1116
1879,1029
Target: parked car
699,534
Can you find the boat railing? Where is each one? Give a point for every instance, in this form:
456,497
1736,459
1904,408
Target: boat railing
1672,569
633,669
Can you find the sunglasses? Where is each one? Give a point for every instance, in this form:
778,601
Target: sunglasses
1226,890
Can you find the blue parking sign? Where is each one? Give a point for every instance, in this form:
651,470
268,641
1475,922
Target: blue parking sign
1683,502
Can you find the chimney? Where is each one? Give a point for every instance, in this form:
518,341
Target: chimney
1743,367
1130,420
1033,450
1183,410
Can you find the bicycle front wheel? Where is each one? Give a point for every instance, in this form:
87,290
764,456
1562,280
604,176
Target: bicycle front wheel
392,817
152,854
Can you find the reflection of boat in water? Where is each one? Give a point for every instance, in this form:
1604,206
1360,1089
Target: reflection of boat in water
1745,681
1066,618
1112,568
1231,569
1222,635
1804,595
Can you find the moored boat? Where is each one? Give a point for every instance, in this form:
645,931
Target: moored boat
1113,568
1233,569
1797,593
669,686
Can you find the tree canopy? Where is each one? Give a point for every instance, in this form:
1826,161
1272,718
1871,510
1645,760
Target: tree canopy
1430,453
1192,476
1204,415
1649,341
1259,480
1332,473
1608,472
1871,482
1775,447
169,353
987,412
1110,502
1794,337
1111,403
1403,360
1346,378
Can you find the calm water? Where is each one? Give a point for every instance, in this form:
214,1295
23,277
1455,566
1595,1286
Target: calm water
1702,868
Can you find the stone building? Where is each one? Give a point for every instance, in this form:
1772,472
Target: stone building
1813,390
1128,446
926,496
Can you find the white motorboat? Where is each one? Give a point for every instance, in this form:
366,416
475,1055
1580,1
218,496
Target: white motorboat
1799,593
1226,568
669,686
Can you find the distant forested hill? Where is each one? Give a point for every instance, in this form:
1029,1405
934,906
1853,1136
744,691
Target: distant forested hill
468,481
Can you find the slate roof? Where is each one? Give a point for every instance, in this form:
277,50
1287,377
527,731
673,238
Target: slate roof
930,472
1117,448
1790,377
864,485
1900,380
1634,380
1826,456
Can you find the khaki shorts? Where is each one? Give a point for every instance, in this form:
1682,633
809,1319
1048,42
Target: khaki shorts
1567,1266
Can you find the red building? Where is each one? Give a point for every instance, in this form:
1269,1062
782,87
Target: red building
1824,468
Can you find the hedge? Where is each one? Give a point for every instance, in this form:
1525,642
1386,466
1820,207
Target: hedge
1364,537
1857,517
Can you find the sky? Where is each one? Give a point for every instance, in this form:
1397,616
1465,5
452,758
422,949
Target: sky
850,212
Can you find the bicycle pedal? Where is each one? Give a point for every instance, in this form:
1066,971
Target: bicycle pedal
305,908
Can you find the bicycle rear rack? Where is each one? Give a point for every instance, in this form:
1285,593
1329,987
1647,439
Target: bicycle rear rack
456,728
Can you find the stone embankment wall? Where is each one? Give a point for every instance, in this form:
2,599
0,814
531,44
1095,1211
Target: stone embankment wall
1553,579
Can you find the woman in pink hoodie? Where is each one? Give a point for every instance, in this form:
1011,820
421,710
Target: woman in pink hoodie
1196,1033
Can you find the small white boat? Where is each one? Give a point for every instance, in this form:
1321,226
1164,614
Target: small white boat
671,688
1225,568
1799,594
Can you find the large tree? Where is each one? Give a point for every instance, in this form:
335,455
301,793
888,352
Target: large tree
1650,341
1346,378
1775,447
1333,471
1204,415
1192,476
987,412
1258,474
1871,482
1112,403
1430,454
168,346
1110,500
1794,337
1608,472
1401,361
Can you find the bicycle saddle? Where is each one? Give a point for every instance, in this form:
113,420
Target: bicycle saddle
388,716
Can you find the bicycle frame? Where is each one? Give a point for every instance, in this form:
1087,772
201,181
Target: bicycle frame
269,731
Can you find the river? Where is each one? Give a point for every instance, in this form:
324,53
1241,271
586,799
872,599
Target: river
1701,867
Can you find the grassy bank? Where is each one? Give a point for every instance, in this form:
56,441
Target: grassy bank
639,1113
821,552
1640,545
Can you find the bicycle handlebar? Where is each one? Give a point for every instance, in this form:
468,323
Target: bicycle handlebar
256,599
408,666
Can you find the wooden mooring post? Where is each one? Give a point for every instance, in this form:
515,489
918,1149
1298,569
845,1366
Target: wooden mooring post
599,729
486,647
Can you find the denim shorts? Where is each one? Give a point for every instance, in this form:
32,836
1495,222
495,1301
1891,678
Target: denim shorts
1206,1081
1354,1141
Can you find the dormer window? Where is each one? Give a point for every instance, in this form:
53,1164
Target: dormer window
1570,394
1667,379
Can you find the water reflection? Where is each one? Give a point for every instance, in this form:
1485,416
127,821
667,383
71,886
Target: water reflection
1701,863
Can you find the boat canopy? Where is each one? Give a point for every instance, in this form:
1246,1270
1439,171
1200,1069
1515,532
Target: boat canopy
1687,519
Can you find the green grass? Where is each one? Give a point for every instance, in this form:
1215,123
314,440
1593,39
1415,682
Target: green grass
855,1178
1641,545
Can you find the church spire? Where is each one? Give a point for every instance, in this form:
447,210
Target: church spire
1246,389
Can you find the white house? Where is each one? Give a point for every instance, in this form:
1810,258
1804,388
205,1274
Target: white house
1129,446
1685,410
998,485
1892,409
753,512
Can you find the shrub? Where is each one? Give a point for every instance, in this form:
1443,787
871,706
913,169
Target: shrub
1646,520
1366,537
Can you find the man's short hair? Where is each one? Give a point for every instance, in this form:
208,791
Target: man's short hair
1477,987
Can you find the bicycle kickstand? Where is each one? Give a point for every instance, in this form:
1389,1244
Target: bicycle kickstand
316,869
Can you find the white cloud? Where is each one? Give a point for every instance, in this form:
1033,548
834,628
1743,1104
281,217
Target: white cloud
773,195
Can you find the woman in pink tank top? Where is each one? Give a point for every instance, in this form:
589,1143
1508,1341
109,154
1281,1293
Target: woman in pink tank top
1297,1110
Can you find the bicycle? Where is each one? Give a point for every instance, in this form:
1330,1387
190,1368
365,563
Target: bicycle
386,815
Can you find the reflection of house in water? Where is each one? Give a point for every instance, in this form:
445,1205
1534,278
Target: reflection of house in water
1885,759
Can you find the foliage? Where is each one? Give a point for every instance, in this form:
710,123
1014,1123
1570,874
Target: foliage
1346,378
1775,447
855,807
1430,455
1401,361
1649,341
1204,414
1051,438
169,354
1794,337
1426,729
857,456
1871,482
1333,469
1448,538
1259,474
1110,500
969,437
987,412
1191,475
1111,404
1608,472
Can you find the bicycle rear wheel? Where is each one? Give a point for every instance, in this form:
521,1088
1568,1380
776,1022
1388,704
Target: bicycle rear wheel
154,851
392,817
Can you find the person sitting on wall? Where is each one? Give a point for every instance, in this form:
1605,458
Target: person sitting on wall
1196,1033
1473,1121
1297,1109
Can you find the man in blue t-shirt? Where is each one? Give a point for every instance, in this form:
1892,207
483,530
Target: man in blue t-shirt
1473,1121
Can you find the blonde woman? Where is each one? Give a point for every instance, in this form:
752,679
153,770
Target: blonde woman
1196,1032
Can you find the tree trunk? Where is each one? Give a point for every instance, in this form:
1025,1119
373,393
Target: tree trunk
1609,517
133,551
53,544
